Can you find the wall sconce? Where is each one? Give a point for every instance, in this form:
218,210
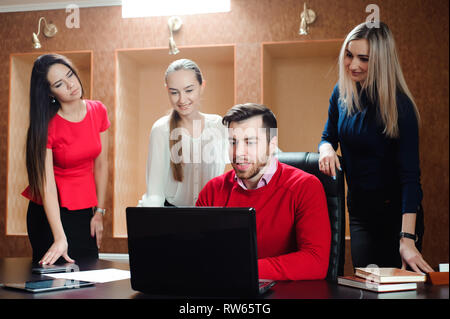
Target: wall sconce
175,24
49,31
307,17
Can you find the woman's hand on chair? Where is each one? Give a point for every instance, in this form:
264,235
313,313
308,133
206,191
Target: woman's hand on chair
328,160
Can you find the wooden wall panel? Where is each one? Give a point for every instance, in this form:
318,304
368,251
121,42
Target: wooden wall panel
143,98
420,28
21,67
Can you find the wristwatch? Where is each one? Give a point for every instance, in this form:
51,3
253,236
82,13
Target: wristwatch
409,235
100,210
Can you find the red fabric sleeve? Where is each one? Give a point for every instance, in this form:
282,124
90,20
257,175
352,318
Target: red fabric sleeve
103,120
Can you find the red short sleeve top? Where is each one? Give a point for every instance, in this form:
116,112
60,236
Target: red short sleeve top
75,146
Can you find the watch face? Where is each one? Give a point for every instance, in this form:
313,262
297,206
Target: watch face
100,210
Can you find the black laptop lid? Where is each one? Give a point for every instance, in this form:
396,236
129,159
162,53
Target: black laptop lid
193,251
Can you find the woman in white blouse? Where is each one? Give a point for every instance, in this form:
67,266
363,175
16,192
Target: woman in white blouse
187,148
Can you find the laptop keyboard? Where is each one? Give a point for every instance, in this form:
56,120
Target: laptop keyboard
265,282
265,285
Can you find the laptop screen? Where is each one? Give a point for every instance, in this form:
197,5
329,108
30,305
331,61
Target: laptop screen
193,251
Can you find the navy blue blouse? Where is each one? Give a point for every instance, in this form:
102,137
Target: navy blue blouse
372,161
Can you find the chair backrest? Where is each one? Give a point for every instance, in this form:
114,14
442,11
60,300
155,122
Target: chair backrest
335,194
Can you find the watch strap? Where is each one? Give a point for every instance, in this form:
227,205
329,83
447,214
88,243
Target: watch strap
408,235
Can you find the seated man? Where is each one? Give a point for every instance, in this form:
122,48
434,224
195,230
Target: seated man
293,227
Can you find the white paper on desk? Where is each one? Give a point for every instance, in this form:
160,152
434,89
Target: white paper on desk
98,276
443,267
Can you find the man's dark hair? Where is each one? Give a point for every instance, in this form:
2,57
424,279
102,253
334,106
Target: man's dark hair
241,112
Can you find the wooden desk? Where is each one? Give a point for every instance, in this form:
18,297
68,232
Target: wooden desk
19,269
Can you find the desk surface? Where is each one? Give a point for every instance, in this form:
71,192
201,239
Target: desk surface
19,269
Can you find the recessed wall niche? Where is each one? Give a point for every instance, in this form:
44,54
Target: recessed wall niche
21,65
141,99
297,81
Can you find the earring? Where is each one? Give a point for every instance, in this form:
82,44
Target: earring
53,100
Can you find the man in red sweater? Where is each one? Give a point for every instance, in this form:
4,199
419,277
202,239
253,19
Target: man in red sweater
292,223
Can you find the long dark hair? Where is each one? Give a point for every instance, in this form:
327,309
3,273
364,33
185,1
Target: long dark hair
182,64
43,108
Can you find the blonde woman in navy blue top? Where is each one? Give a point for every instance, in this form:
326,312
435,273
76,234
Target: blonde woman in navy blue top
373,118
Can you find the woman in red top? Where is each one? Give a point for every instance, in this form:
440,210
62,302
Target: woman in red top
66,164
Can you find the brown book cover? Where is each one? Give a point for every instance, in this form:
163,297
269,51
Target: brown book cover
389,275
438,278
361,283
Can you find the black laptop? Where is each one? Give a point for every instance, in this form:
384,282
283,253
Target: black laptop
194,251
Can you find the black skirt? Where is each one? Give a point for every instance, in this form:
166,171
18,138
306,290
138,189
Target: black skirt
77,227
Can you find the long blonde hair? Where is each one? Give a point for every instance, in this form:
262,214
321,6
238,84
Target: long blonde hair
181,64
384,76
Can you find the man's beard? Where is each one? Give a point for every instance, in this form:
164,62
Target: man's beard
254,171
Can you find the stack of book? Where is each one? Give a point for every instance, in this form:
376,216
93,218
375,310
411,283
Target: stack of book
383,279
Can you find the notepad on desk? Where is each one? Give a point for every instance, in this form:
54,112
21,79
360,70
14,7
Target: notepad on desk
357,282
97,276
389,275
382,279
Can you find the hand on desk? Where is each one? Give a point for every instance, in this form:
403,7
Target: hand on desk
56,250
412,257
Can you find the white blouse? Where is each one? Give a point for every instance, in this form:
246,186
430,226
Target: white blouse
203,158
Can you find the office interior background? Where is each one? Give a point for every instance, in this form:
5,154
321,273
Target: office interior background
254,53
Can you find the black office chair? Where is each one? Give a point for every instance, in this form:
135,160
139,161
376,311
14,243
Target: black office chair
335,194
